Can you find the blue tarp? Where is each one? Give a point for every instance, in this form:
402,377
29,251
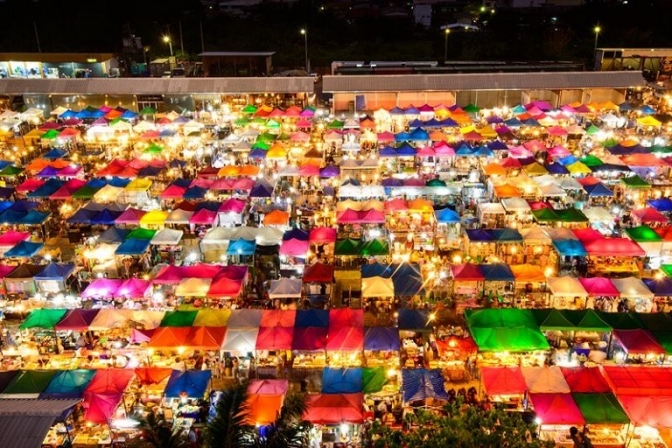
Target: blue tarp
413,319
132,246
68,384
660,287
24,249
376,270
182,183
342,380
193,382
241,247
257,154
195,193
46,190
402,137
82,217
381,339
96,183
23,206
420,384
55,271
447,216
296,234
419,135
119,182
261,190
479,235
33,218
556,168
11,217
570,248
497,145
497,272
597,190
54,154
312,318
149,171
407,279
406,150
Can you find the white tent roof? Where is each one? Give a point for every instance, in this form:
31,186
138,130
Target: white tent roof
108,193
178,216
250,133
143,126
231,138
545,380
598,214
170,237
193,287
289,171
241,340
560,233
566,286
121,124
490,208
515,205
10,113
535,234
216,236
569,183
351,146
269,236
377,287
551,190
242,146
632,287
285,287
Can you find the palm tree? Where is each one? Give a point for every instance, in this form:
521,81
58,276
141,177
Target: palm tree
158,433
289,430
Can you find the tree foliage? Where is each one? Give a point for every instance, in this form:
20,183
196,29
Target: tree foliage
157,432
461,426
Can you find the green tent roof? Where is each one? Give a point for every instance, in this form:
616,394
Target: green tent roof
620,321
147,111
249,109
336,124
664,338
654,321
471,109
373,379
30,382
635,182
608,143
50,134
519,339
590,161
241,121
436,183
374,247
272,124
601,408
260,144
556,321
592,130
267,136
586,320
666,269
500,317
140,233
571,215
657,149
43,318
86,192
179,318
545,215
643,234
11,170
348,247
154,149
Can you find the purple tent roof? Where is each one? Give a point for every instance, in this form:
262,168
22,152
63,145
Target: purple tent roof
330,171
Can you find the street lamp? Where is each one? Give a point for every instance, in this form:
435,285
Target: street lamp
167,40
597,30
445,46
305,47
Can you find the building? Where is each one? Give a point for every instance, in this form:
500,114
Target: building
58,65
231,63
655,63
485,90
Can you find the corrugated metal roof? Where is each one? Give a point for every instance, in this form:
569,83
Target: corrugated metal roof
156,86
482,81
25,423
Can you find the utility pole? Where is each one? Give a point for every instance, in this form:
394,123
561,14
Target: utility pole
181,41
37,37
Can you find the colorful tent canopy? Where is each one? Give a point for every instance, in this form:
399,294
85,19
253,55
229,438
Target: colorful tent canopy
341,380
421,384
638,342
381,339
638,380
585,380
68,384
653,411
43,318
503,380
194,383
334,409
557,409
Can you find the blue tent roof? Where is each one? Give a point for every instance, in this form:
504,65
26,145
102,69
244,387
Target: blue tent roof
416,123
342,380
192,382
381,339
376,270
625,107
167,133
182,183
132,246
513,123
24,249
556,168
464,150
407,279
646,109
46,190
413,319
406,150
412,110
420,384
195,193
113,235
402,136
531,122
119,182
598,189
497,272
483,151
312,318
433,123
497,145
82,216
662,204
34,217
568,160
241,247
505,235
261,190
5,205
129,115
570,248
479,235
387,151
54,154
55,271
105,217
96,183
449,123
447,216
257,154
68,384
149,171
12,216
23,206
295,234
397,111
519,109
419,135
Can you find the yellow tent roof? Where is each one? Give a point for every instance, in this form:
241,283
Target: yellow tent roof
494,169
648,121
468,129
35,133
212,318
139,184
487,132
462,119
535,169
610,106
629,142
228,171
578,168
506,191
421,205
155,217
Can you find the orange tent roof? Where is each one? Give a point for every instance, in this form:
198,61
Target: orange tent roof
228,171
276,218
494,169
438,136
506,191
249,170
528,273
367,124
263,409
422,205
59,164
37,164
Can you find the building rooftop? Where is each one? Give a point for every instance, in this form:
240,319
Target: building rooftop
237,53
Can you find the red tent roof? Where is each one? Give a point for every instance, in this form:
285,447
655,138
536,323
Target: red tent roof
322,235
638,342
345,317
309,338
585,379
110,381
170,337
599,286
651,411
348,339
557,409
318,273
335,408
275,338
503,380
225,287
205,338
279,318
467,272
152,375
77,320
613,247
587,234
639,380
649,214
100,407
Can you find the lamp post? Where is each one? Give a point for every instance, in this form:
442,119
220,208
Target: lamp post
597,30
167,40
305,47
445,46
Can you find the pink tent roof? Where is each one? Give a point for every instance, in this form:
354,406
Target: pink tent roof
322,235
6,270
12,238
559,151
535,145
503,380
345,317
345,339
385,137
348,216
173,192
396,205
267,387
101,288
304,123
294,248
443,150
243,183
223,184
613,247
299,137
371,217
293,111
109,381
309,169
76,320
30,184
203,216
201,182
588,234
650,411
279,318
130,216
233,272
649,214
133,288
599,286
203,270
335,408
520,152
170,274
585,380
556,131
225,287
467,272
275,338
232,205
557,409
99,408
309,338
425,151
638,342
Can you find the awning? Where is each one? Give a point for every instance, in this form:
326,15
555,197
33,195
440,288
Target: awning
557,409
601,408
503,380
421,384
194,383
25,423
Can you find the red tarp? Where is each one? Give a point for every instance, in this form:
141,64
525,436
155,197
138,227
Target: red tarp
110,381
268,387
347,339
100,407
275,338
206,338
318,273
613,247
133,288
461,346
225,287
322,235
638,342
334,409
557,409
503,380
345,317
170,337
278,318
587,234
76,320
585,380
152,375
309,338
649,214
639,380
651,411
